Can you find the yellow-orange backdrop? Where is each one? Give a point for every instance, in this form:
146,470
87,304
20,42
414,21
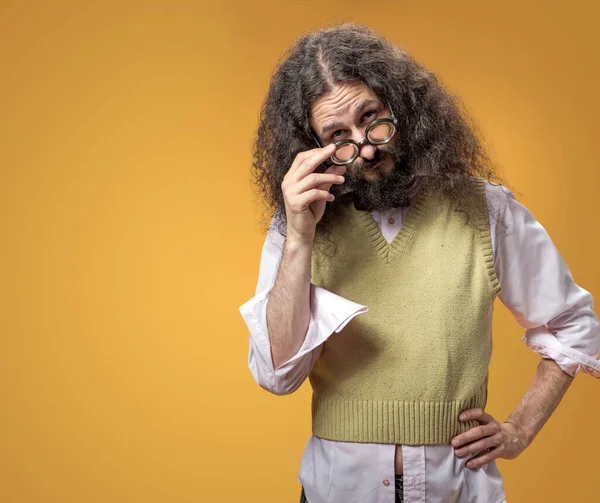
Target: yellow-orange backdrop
131,235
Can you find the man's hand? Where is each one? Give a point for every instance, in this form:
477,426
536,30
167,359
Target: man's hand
305,192
491,439
509,439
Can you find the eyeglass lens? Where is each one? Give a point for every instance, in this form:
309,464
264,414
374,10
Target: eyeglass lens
377,135
381,133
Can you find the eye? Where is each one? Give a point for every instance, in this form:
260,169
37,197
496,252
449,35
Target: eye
337,134
369,115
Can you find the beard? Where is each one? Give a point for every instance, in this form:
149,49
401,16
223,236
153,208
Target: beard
391,190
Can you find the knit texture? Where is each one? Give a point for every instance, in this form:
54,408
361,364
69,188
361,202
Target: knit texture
402,372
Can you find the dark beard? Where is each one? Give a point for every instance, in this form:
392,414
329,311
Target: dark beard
393,190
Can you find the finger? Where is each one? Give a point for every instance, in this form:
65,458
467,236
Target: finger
480,445
477,414
301,157
317,180
306,198
474,434
479,461
311,160
334,170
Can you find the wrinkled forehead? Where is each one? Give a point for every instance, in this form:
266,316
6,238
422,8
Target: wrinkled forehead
340,104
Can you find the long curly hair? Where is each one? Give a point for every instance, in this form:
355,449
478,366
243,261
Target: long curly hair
442,144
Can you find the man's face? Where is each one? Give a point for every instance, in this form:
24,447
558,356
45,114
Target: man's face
343,114
380,178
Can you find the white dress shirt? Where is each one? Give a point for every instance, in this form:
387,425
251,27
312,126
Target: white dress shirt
537,287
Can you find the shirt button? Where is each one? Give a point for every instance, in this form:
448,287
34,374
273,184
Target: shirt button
386,482
391,221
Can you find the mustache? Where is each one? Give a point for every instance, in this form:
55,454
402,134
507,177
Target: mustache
382,152
361,164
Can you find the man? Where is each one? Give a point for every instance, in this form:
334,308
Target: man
386,251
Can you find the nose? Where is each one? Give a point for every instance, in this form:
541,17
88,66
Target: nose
367,151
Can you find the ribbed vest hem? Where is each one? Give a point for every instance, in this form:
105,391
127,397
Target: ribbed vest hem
392,422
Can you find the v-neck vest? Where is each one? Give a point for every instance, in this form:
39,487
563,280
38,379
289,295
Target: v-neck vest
403,371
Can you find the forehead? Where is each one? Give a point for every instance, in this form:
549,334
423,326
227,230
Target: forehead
339,102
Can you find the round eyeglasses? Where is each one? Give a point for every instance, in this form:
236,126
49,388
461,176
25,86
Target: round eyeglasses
379,132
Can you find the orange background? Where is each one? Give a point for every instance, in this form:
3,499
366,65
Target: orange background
131,235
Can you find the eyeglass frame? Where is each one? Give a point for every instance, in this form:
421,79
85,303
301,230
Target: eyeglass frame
392,120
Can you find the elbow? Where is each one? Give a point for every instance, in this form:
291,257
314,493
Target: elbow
282,390
279,386
278,380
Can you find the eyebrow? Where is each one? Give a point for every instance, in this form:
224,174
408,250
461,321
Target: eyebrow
358,109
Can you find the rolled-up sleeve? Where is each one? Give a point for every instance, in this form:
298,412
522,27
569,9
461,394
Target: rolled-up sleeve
329,313
538,288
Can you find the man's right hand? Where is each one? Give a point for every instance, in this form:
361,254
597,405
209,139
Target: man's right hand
305,192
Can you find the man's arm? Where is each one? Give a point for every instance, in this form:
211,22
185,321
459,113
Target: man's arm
511,438
549,385
281,313
305,194
539,290
329,313
560,323
288,309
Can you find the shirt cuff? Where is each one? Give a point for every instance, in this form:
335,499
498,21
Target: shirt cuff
329,313
542,341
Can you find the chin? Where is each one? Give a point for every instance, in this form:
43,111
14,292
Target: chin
372,175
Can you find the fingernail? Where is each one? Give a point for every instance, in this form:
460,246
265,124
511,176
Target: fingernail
462,417
454,443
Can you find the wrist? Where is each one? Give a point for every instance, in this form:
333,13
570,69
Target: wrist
295,243
522,434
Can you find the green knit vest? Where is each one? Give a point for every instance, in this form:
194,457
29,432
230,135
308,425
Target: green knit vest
403,371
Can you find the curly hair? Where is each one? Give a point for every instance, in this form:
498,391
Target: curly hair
442,144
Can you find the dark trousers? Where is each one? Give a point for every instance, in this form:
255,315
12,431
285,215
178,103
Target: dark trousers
399,491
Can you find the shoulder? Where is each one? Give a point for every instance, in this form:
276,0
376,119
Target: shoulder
499,200
497,193
507,213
